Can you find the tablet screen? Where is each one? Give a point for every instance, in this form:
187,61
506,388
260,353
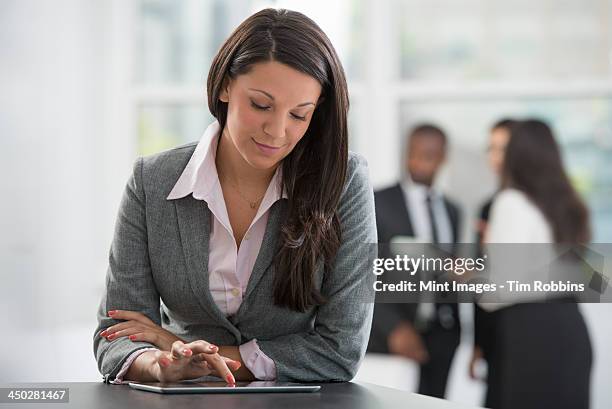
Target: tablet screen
222,387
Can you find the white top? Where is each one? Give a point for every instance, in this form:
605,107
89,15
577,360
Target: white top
516,219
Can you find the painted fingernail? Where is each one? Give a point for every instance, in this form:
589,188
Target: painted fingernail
132,337
112,312
103,333
230,379
212,347
111,336
186,352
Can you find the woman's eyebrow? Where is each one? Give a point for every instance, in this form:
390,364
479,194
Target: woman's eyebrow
272,98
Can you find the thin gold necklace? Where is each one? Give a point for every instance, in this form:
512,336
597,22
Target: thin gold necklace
254,204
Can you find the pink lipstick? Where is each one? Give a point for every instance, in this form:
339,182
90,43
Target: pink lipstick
266,149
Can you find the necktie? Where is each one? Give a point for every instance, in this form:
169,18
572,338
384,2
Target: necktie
427,309
444,311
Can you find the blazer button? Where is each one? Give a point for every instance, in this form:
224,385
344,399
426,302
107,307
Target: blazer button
235,292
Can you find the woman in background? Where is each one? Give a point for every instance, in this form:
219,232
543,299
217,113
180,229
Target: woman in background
484,346
496,150
542,351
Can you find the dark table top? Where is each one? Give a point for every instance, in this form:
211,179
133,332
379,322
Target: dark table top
349,395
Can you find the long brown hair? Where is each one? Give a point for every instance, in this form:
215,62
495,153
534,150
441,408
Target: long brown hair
533,165
314,172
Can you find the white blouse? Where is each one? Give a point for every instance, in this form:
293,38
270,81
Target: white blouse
516,219
516,222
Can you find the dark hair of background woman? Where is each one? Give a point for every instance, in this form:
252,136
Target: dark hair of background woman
505,123
314,172
533,165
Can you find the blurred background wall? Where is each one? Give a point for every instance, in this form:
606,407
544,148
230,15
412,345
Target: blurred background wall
87,86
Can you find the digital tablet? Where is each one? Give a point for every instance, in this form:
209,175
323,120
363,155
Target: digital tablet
222,387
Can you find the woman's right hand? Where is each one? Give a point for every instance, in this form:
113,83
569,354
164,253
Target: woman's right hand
477,356
190,361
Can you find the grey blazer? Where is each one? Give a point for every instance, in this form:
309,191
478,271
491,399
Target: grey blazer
158,265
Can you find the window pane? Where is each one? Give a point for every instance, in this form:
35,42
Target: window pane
176,40
354,131
583,127
523,39
163,127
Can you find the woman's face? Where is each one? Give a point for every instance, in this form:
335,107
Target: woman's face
497,148
269,110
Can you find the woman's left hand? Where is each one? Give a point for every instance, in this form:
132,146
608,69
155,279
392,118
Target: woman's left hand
138,327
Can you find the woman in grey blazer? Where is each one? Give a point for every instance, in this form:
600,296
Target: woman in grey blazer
270,198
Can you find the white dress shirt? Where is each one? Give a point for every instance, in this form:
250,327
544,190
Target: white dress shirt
415,195
515,219
416,201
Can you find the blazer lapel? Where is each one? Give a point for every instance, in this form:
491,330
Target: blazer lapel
269,246
194,225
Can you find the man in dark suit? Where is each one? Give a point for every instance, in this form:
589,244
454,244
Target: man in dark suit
427,332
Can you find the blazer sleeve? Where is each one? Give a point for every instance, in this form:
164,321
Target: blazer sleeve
129,283
334,348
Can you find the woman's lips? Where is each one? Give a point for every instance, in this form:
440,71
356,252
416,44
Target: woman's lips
267,149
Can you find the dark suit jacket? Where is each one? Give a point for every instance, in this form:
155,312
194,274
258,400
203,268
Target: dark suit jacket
393,219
